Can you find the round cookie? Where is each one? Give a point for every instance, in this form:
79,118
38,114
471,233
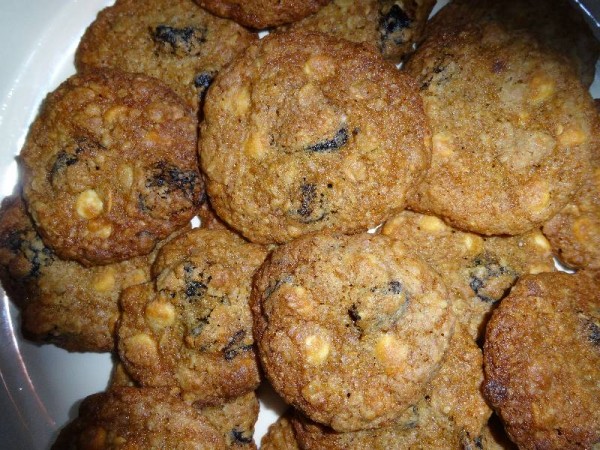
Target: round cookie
175,41
110,167
574,233
280,435
391,26
191,328
479,270
449,417
148,418
349,329
61,302
542,361
511,129
554,23
307,132
262,13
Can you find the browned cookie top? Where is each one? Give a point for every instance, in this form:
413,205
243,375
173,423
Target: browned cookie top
61,302
479,270
511,128
307,132
542,361
192,328
574,233
449,417
391,26
554,23
262,13
350,329
134,418
173,40
280,435
110,166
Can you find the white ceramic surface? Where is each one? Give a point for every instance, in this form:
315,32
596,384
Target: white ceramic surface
42,385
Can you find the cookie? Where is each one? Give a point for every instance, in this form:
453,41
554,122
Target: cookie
191,328
175,41
511,129
478,270
349,329
262,13
61,302
280,435
493,437
110,167
209,219
574,233
148,418
235,419
307,132
392,27
542,361
554,23
450,416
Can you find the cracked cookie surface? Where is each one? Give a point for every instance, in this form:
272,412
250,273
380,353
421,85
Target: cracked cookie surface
308,132
349,329
110,167
175,41
191,328
542,350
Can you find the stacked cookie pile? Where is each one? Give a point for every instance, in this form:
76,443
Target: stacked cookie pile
476,163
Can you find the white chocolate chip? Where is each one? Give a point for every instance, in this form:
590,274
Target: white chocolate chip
160,314
89,204
316,349
391,353
104,281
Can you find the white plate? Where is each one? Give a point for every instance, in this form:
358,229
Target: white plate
42,385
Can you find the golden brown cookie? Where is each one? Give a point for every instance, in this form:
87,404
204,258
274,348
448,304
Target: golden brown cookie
235,419
542,361
134,418
479,270
307,132
554,23
493,437
175,41
511,128
449,417
191,328
391,26
61,302
262,13
110,167
349,329
574,233
280,435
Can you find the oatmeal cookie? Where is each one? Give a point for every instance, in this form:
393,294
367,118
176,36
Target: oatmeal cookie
349,329
209,219
110,167
554,23
542,361
191,328
574,233
280,435
175,41
307,132
262,13
450,416
61,302
478,270
511,129
134,418
391,26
